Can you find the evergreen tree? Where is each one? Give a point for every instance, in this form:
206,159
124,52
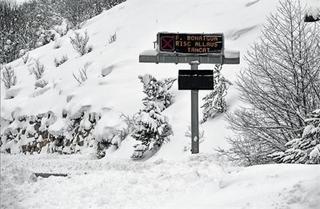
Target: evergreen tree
305,149
152,128
157,91
215,102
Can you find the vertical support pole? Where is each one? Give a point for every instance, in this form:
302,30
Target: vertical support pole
194,115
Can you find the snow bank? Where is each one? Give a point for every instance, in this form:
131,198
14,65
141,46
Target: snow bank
195,182
313,8
113,86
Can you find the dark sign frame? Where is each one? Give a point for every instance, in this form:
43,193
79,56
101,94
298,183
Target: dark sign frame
191,43
195,80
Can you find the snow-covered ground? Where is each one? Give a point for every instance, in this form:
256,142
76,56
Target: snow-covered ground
136,24
313,7
172,179
195,182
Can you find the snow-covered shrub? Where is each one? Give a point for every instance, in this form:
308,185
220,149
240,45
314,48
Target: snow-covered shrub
157,91
78,132
151,130
35,134
58,62
45,37
215,102
112,137
80,43
82,76
41,83
305,149
62,29
8,76
27,134
38,69
25,58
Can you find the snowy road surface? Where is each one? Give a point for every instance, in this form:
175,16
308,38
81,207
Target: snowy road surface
196,182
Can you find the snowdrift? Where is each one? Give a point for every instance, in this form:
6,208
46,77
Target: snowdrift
112,87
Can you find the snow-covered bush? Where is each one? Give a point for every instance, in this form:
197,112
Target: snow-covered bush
151,128
280,86
305,149
35,134
77,133
38,69
80,43
58,62
215,102
27,134
45,37
82,75
111,137
157,91
8,76
25,58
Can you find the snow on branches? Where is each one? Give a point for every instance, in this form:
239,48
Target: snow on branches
215,102
305,149
280,86
151,128
8,76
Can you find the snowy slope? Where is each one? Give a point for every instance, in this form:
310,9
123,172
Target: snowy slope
172,179
136,23
197,182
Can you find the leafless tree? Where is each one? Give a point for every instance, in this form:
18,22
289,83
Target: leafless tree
281,83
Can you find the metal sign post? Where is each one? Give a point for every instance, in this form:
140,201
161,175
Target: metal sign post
194,114
193,49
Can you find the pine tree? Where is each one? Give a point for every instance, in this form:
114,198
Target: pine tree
215,102
157,91
152,128
305,149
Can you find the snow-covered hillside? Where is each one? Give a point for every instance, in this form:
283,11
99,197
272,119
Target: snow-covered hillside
135,23
172,178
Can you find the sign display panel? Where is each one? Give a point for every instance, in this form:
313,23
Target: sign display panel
191,43
195,80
